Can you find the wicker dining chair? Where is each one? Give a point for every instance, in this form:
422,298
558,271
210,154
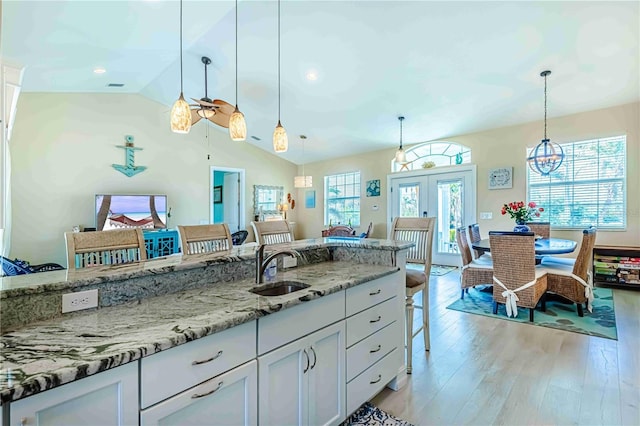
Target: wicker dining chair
420,231
340,231
474,271
571,278
516,280
540,229
197,239
474,237
272,232
104,247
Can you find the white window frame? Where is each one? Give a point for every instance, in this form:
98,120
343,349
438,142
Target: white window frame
565,176
441,153
331,181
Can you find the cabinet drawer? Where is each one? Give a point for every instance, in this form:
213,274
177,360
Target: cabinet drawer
373,319
170,372
367,352
372,380
369,294
278,329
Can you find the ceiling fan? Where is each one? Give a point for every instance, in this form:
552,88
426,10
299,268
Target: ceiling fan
217,111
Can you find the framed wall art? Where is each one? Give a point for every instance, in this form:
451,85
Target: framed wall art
501,178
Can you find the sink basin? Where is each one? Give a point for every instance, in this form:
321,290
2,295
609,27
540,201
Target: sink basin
279,288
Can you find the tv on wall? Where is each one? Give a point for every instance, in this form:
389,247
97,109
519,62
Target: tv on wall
130,211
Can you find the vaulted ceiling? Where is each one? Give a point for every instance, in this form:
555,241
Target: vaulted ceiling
449,67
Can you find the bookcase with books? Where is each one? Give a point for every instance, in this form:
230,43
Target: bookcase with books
616,265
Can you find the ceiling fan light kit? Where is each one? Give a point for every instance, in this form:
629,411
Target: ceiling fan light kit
180,112
237,124
280,140
401,156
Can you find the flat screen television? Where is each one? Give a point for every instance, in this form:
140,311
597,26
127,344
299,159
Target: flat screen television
130,211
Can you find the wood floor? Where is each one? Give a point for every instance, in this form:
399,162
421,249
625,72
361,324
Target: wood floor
483,371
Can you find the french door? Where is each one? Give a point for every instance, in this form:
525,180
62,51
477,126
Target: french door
449,194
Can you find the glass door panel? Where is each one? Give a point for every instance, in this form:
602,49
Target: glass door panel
409,200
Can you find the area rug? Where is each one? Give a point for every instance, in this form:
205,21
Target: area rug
371,415
563,316
440,270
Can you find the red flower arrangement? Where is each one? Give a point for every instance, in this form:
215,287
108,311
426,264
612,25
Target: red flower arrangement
522,212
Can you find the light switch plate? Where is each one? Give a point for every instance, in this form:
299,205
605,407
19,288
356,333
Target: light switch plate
486,215
79,300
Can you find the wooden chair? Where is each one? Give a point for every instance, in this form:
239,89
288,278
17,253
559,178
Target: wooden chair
571,278
198,239
474,236
516,280
104,247
474,271
272,232
341,231
420,231
369,231
540,229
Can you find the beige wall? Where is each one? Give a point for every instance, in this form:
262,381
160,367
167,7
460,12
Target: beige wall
62,149
501,147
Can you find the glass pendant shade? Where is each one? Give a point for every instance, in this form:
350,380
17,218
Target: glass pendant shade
401,156
303,181
237,126
280,140
180,116
546,157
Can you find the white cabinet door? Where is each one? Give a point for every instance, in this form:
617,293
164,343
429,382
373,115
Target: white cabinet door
303,382
282,385
108,398
228,399
327,384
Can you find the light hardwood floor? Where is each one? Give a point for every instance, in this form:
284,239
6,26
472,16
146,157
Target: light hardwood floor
483,370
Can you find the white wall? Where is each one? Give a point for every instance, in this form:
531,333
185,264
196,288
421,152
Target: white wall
62,149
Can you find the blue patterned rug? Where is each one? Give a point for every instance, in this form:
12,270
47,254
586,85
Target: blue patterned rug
601,322
370,415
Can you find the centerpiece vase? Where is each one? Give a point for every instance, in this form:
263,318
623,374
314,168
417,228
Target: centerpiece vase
520,226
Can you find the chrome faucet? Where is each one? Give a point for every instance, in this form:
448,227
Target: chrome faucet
261,262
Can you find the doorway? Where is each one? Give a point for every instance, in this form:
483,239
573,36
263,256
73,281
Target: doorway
227,197
448,193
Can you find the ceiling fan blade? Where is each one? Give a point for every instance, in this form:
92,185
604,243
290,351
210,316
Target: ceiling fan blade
203,103
221,120
195,117
224,108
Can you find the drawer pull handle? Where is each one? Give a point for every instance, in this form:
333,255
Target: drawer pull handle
373,293
373,351
375,320
377,380
216,356
307,356
315,358
200,395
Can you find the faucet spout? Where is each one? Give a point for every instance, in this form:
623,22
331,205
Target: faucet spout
262,262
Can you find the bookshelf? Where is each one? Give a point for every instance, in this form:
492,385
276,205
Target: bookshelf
616,266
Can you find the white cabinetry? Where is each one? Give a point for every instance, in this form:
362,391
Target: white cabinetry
228,399
303,383
107,398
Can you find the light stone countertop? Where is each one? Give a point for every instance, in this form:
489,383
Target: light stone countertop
44,355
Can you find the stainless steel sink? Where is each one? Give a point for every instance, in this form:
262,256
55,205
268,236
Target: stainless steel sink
279,288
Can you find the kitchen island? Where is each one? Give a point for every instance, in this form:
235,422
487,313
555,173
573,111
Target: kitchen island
155,306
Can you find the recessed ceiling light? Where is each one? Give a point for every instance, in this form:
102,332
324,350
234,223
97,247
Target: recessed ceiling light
311,75
99,70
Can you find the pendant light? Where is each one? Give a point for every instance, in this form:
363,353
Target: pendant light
280,140
401,156
237,125
181,113
303,181
547,156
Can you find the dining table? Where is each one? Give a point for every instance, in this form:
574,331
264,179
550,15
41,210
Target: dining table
543,246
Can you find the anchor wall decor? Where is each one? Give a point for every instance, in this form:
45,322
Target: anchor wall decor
128,169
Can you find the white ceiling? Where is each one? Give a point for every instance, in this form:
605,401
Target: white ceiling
449,67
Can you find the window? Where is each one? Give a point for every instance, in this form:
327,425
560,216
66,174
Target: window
440,153
589,187
342,199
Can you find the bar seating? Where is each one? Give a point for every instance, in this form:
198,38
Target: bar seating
572,279
420,231
239,237
104,247
198,239
272,232
474,271
516,280
540,229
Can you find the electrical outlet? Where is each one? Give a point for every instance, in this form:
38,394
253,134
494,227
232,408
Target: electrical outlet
80,300
289,262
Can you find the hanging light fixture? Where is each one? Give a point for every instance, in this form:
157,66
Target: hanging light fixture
180,113
547,156
303,181
401,156
280,140
237,125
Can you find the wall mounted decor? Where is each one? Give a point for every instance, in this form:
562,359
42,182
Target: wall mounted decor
501,178
128,169
373,188
310,199
217,194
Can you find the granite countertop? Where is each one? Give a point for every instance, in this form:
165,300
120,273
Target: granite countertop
44,355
